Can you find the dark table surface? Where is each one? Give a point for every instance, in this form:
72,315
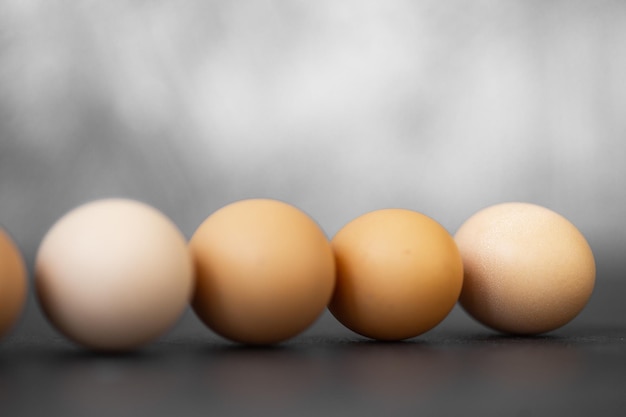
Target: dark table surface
457,368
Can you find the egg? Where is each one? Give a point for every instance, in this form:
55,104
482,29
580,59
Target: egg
399,274
264,271
113,274
13,283
528,270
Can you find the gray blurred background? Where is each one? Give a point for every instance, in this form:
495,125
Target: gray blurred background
338,107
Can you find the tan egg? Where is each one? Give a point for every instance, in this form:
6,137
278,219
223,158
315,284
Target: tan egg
113,274
528,270
399,274
264,271
13,283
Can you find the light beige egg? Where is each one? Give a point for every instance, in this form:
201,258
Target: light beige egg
13,283
265,271
399,274
528,270
114,274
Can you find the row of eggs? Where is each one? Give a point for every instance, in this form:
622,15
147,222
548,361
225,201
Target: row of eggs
116,274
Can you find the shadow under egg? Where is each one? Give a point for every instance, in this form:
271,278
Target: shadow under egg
96,383
532,363
395,373
272,378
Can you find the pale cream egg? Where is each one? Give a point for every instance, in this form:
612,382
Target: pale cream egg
113,274
528,270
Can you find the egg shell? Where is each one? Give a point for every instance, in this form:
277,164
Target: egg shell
13,283
528,270
113,274
264,271
399,274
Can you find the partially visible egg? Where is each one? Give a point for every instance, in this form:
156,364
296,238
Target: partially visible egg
113,274
264,271
399,274
13,283
528,270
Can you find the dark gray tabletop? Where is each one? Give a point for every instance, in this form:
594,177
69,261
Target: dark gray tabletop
457,368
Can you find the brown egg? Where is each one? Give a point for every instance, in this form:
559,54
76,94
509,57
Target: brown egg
528,270
264,271
114,274
13,283
399,274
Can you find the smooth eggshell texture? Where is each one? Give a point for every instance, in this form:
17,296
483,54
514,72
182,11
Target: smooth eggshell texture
264,271
528,270
13,283
114,274
399,274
